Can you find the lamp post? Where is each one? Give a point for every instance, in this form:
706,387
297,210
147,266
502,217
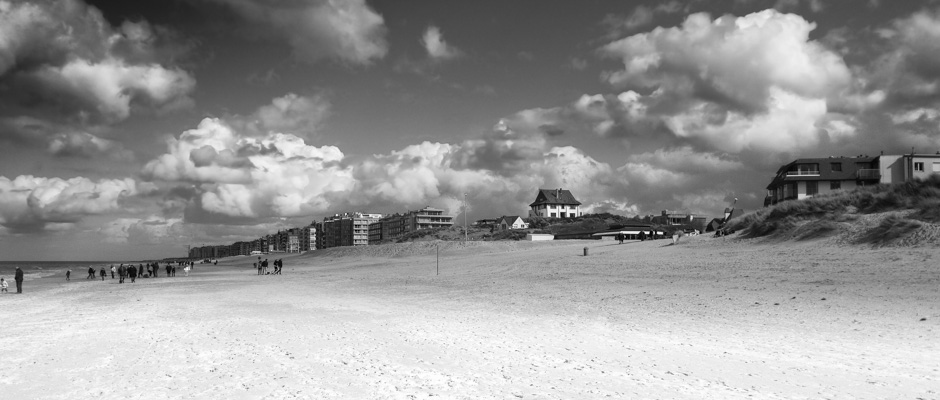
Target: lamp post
465,227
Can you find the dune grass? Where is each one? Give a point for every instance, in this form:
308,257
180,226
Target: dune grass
821,215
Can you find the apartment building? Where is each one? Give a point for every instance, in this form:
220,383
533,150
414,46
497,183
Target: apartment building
347,229
396,225
807,177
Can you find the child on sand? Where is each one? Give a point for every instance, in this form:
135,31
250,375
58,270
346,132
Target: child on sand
3,286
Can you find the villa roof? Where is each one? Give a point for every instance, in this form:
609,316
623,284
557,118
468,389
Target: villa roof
555,196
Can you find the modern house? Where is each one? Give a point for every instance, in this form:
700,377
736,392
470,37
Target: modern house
671,218
555,203
510,222
807,177
395,225
485,222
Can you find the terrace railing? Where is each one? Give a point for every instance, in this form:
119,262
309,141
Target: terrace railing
803,173
868,174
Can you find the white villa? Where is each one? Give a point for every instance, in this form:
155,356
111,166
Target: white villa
555,203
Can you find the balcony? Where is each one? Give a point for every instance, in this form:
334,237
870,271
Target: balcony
868,174
803,173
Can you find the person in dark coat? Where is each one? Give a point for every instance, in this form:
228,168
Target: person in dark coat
132,272
168,269
68,275
103,273
91,273
18,277
122,272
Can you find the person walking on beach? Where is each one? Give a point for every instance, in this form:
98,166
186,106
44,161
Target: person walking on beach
122,271
112,271
18,277
3,286
103,274
186,271
91,273
68,275
132,272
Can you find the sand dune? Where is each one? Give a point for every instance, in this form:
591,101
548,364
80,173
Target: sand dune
710,318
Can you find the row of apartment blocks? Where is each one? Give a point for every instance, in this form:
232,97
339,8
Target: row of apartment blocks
808,177
293,240
346,229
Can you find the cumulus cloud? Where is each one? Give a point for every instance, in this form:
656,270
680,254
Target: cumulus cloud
345,30
732,84
291,113
87,145
145,231
437,48
642,16
252,177
66,54
910,72
110,87
734,61
29,203
237,176
61,140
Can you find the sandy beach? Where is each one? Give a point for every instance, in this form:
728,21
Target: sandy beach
713,318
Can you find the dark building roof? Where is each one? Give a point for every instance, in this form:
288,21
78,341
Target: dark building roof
826,172
555,196
510,219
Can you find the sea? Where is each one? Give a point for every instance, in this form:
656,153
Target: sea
42,269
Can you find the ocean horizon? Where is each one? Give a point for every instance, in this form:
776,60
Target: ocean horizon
48,268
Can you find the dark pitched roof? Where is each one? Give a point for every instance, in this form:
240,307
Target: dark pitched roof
555,196
510,219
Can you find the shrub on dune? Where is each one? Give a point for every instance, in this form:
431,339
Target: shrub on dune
823,215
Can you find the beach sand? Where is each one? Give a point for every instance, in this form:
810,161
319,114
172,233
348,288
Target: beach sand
710,318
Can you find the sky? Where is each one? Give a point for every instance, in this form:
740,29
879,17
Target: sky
131,129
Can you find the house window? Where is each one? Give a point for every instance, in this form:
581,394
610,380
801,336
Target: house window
553,215
919,166
836,167
936,167
835,185
812,187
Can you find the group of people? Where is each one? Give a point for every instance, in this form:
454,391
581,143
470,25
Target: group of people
18,277
150,271
262,267
131,272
